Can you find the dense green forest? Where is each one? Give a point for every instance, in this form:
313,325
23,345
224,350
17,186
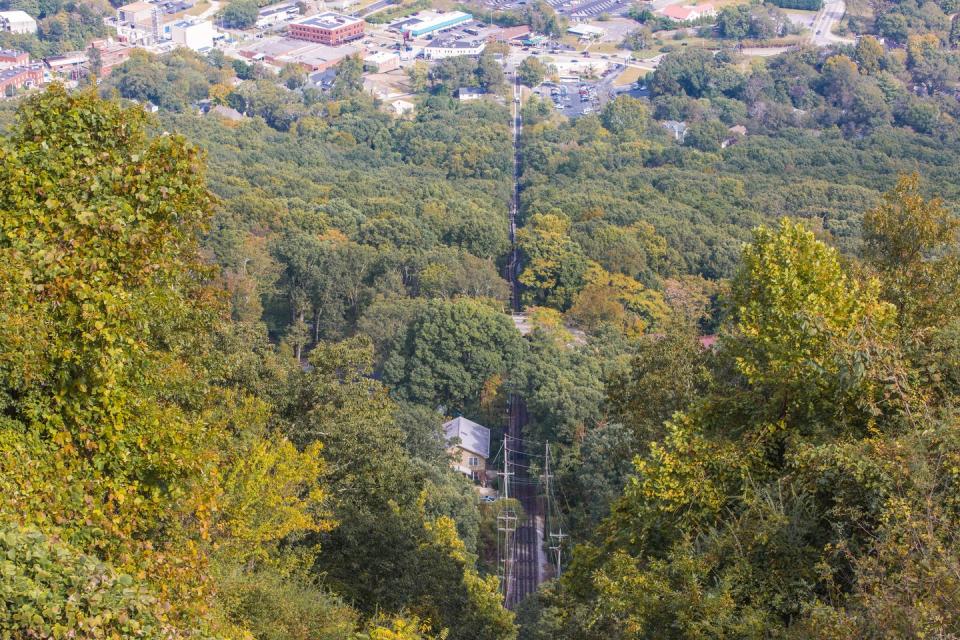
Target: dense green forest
227,347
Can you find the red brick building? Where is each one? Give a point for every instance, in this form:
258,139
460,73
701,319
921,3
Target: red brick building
328,28
10,58
19,77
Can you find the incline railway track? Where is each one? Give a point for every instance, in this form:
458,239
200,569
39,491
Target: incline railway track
523,571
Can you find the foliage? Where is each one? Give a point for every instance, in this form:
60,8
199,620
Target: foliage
240,14
531,71
450,351
48,590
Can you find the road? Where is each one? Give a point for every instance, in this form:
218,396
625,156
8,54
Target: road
373,8
821,33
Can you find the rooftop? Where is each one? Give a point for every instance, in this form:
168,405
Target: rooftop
453,44
6,74
328,20
472,436
11,53
136,6
16,15
300,51
585,30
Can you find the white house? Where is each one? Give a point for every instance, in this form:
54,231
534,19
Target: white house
17,22
466,94
469,443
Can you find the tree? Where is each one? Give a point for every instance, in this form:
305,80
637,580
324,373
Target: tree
554,267
418,76
451,349
349,79
626,116
869,54
531,71
706,135
241,14
101,445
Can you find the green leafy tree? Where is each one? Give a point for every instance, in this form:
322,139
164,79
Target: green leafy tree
554,267
241,14
531,71
450,351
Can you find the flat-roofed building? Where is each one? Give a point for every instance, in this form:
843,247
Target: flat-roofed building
112,54
19,77
382,61
327,28
10,58
437,50
431,23
17,22
193,35
136,14
69,65
311,56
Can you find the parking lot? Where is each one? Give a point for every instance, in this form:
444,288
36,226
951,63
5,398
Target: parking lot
574,99
577,9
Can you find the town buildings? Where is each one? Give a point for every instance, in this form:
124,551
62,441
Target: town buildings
428,23
331,29
382,61
309,55
438,49
10,58
17,22
28,76
688,13
139,23
193,35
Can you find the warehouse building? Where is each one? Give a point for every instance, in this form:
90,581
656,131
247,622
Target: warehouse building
331,29
193,35
427,24
439,50
17,22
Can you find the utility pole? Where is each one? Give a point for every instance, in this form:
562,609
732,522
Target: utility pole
556,548
506,523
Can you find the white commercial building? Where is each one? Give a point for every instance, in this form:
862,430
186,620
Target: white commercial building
17,22
586,31
440,50
196,35
382,61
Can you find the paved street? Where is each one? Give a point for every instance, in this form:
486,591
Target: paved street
821,34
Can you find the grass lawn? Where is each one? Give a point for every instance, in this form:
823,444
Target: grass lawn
198,8
629,76
605,47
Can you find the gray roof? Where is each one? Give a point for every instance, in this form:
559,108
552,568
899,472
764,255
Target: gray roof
472,436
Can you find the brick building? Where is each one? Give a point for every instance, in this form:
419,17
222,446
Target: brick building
18,77
328,28
10,58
